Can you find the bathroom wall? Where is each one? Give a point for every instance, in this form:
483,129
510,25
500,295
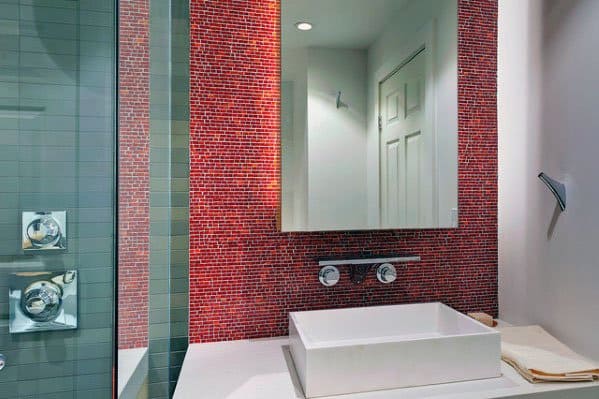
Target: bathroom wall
59,57
547,95
318,136
336,138
294,76
245,276
134,173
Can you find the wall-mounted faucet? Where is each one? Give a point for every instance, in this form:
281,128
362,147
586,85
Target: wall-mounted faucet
359,268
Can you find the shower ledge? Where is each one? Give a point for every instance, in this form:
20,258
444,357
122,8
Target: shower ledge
133,369
263,369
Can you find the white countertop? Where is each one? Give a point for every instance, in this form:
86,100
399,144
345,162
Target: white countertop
263,369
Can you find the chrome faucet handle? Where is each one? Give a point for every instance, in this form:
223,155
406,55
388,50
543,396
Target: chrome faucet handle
41,301
386,273
329,276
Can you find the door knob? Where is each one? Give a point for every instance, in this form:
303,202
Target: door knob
2,361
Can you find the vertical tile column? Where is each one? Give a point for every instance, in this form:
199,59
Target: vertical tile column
179,276
169,136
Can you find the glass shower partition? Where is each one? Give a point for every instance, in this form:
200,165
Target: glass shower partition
149,367
93,97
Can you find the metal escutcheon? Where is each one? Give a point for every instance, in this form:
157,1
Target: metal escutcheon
386,273
329,276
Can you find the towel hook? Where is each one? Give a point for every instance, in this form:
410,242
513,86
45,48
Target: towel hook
557,188
340,104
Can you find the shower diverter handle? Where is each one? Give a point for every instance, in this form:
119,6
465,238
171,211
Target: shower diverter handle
41,301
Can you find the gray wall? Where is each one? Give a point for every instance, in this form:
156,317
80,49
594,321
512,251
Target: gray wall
548,263
169,199
59,55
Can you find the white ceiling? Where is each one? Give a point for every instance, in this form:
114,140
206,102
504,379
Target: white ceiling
337,23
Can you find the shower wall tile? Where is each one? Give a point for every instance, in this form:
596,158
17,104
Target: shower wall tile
49,162
169,201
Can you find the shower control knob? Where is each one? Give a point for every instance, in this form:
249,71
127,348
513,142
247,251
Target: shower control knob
329,276
42,301
386,273
2,361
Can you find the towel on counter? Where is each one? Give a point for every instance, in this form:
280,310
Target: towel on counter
539,357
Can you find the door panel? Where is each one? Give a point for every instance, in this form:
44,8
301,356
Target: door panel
413,178
392,176
407,181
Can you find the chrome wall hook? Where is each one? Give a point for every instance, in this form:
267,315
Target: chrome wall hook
339,102
557,188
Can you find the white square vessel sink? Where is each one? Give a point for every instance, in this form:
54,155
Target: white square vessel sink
342,351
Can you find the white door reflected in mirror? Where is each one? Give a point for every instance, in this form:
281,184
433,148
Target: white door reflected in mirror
407,146
368,114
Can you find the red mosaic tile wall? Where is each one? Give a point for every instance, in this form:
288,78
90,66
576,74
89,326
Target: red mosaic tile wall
134,172
245,276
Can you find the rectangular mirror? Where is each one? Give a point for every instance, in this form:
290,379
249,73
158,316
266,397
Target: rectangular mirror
369,110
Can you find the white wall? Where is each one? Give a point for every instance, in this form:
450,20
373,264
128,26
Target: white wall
397,43
294,172
336,139
547,109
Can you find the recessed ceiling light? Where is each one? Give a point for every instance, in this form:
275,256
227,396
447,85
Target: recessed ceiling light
303,25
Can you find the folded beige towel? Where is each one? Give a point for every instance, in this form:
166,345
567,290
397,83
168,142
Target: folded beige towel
484,318
540,357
